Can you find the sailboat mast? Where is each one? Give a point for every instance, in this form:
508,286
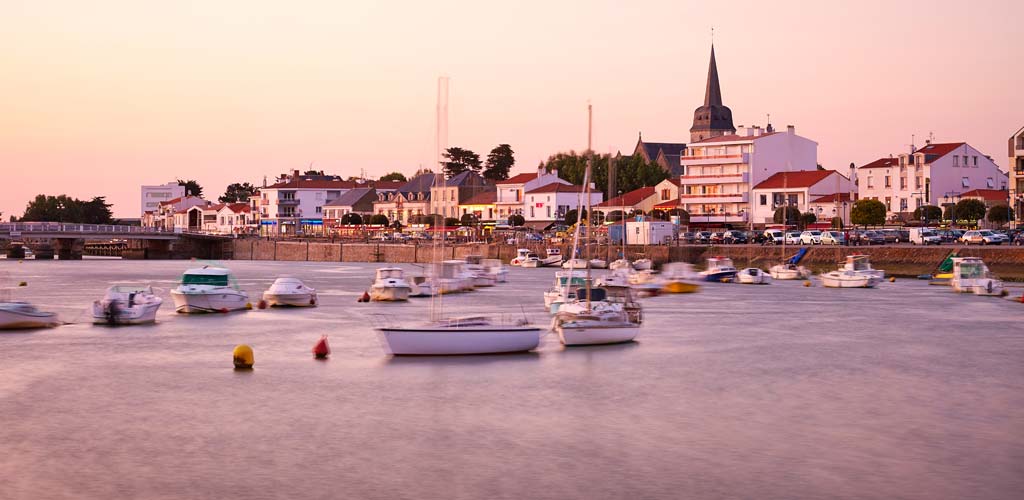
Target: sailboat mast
586,189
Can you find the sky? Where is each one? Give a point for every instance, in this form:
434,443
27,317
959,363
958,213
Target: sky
100,97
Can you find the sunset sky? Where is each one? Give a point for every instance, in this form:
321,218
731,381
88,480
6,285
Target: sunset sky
98,97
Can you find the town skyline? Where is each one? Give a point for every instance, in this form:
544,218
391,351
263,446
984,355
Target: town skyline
102,101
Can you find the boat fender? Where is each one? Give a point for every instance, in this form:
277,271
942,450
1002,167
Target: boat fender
365,297
243,357
312,302
262,304
807,283
223,310
321,350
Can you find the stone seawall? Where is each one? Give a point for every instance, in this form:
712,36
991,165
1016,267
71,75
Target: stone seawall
1007,262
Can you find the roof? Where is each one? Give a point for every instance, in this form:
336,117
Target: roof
831,198
334,184
668,205
467,178
353,196
669,148
556,187
235,207
629,199
797,179
882,163
419,184
520,178
988,194
734,138
933,152
171,202
484,198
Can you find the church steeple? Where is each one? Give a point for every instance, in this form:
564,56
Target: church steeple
713,119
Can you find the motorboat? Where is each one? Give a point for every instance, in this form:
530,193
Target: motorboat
642,264
22,315
474,266
126,305
553,258
614,278
861,263
531,260
845,278
389,284
787,271
620,265
286,291
522,255
575,264
454,336
451,276
720,269
598,264
564,289
753,276
208,289
496,269
679,277
422,286
971,275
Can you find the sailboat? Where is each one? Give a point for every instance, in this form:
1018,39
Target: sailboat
454,336
590,325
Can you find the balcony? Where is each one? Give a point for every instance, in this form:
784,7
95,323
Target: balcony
715,198
287,202
715,159
715,179
709,218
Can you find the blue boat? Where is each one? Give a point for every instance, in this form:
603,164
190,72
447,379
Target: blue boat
720,269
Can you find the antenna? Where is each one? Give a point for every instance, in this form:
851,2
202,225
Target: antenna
712,35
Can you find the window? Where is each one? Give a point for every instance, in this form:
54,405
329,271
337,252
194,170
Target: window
319,209
956,161
903,183
665,193
871,182
778,199
764,200
917,182
793,200
903,204
549,211
888,203
319,195
918,203
990,183
966,182
888,182
532,215
975,159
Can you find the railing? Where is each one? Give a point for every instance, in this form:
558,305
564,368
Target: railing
61,227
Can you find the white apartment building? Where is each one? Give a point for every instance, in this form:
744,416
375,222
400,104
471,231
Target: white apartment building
512,191
826,193
719,173
1016,168
937,174
297,205
550,202
153,196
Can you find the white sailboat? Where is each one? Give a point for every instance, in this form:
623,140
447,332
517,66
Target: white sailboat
291,292
126,305
845,278
787,271
207,289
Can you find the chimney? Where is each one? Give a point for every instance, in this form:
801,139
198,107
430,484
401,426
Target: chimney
790,129
554,172
295,174
540,170
749,132
757,130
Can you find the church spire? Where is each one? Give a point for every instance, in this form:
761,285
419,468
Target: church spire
713,93
713,119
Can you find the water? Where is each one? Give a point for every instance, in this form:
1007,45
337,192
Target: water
906,391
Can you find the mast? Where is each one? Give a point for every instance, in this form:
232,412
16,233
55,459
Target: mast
586,189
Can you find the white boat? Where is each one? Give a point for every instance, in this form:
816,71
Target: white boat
207,289
620,265
720,269
389,284
564,288
126,305
679,277
422,286
496,269
845,278
475,267
531,260
595,328
521,255
292,292
788,271
452,276
472,335
616,277
22,315
971,275
642,264
753,276
553,259
575,264
861,264
598,264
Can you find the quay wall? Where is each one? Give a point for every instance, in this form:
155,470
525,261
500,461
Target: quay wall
903,260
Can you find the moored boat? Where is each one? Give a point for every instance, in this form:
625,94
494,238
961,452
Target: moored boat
720,269
471,335
643,264
971,275
845,278
126,305
481,277
620,265
22,315
292,292
787,271
496,269
598,264
390,285
753,276
860,263
679,277
208,289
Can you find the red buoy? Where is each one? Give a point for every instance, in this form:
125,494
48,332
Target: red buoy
223,310
262,304
365,297
321,350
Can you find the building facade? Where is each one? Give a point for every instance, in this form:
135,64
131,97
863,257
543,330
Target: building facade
446,197
1016,168
550,202
821,192
409,201
511,193
296,205
153,196
643,199
481,206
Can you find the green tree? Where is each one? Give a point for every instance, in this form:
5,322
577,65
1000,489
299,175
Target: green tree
459,160
499,163
192,188
313,172
867,213
516,220
837,223
394,176
351,219
237,192
970,209
1000,214
63,208
786,215
572,213
807,218
379,220
684,216
928,212
96,211
451,222
468,220
632,172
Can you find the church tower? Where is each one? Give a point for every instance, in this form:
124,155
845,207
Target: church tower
712,119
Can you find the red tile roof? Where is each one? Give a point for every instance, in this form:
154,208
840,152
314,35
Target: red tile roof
556,187
484,198
831,198
519,179
629,199
882,163
988,194
797,179
936,151
667,205
733,138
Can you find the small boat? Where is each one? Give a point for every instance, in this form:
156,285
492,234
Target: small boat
564,289
595,328
620,265
787,271
553,259
860,263
290,292
451,276
971,275
496,269
474,266
22,315
575,264
679,277
208,289
522,254
126,305
845,278
421,286
471,335
642,264
531,260
753,276
720,269
389,285
614,278
598,264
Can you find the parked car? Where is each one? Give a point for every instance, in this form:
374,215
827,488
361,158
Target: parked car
810,238
867,238
772,236
793,238
703,237
716,238
832,238
924,236
734,237
980,237
890,235
1018,239
688,237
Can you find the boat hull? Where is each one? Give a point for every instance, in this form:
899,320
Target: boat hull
10,320
134,315
208,302
680,287
861,282
441,341
576,335
720,277
290,299
389,293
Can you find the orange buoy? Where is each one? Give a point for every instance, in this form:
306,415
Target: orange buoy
223,310
321,350
262,304
365,297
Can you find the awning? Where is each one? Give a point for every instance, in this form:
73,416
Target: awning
538,225
668,205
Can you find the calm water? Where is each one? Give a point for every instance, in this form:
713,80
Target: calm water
906,391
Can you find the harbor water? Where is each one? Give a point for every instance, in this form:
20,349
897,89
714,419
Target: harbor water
782,391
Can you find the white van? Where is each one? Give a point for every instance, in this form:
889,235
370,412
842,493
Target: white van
924,236
773,237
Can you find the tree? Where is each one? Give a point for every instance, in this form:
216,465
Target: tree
837,223
970,209
467,220
928,212
658,215
394,176
451,222
1000,214
379,220
351,219
499,162
460,160
516,220
632,172
96,211
684,216
236,193
313,172
786,215
807,218
867,213
572,213
192,188
63,208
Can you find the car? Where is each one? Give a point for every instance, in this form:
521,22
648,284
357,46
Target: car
867,238
793,238
810,238
1003,237
703,237
716,238
734,237
832,238
924,236
890,235
1018,239
688,237
980,237
773,236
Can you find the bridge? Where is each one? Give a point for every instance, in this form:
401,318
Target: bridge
67,240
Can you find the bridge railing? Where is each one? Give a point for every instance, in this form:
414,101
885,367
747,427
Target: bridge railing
62,227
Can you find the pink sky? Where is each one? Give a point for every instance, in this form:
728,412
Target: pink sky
99,97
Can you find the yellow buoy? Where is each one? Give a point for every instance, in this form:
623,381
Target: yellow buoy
807,283
248,306
892,279
243,357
